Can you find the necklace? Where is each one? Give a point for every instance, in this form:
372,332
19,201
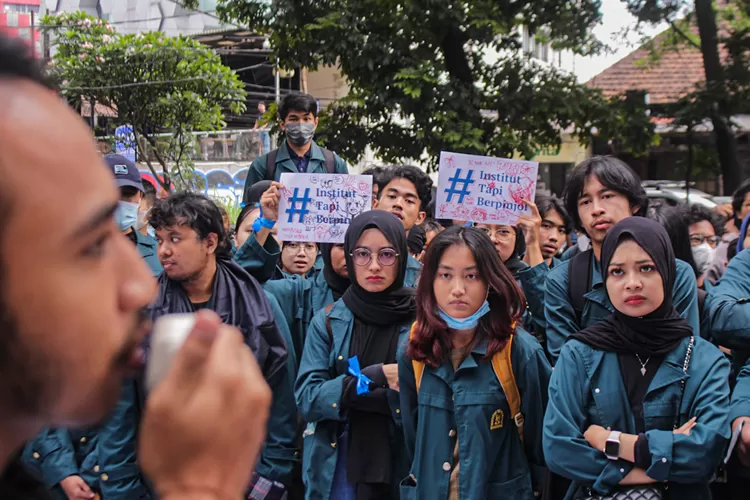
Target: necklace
643,364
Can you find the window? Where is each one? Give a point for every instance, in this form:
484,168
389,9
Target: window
21,9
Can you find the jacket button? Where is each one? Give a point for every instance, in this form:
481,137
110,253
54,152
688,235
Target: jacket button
446,466
96,468
452,433
104,477
622,471
334,405
83,439
341,358
296,453
664,460
35,455
398,410
597,390
333,445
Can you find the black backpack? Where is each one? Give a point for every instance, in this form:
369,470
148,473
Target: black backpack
579,281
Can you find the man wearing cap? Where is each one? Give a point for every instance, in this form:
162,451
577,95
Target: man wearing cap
129,181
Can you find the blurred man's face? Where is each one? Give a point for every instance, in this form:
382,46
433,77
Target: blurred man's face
71,294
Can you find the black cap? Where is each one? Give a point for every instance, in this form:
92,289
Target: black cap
252,195
125,171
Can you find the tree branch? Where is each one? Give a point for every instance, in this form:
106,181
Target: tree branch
683,34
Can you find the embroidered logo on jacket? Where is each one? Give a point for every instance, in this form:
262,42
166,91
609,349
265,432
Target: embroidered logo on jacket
496,422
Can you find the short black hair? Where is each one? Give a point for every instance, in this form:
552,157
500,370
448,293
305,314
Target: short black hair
693,214
738,198
547,203
614,174
416,176
243,215
379,174
732,249
195,211
297,102
432,225
149,193
674,220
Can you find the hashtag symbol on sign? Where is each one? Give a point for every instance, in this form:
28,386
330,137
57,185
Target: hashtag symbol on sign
465,182
294,201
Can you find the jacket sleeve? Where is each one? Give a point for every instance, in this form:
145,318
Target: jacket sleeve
318,395
280,452
694,458
409,403
340,165
533,283
728,305
117,447
259,261
565,449
535,372
558,311
685,295
51,453
741,395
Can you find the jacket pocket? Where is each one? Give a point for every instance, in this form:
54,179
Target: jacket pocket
408,489
515,489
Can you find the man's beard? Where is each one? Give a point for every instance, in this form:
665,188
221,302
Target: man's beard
25,381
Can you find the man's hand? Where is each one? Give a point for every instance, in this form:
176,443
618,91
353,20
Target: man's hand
269,201
391,373
725,210
76,488
531,225
743,443
206,421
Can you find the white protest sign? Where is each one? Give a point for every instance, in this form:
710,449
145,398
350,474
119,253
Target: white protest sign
483,189
320,207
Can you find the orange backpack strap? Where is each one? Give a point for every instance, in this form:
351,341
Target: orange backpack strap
503,366
417,366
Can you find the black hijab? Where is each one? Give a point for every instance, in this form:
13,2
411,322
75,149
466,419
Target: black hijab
416,240
655,334
515,262
395,305
338,284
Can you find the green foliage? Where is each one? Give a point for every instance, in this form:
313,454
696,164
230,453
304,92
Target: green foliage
156,84
230,204
433,75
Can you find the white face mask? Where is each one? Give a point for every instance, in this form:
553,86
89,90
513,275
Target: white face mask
142,218
703,255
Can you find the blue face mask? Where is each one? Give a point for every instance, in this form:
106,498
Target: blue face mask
465,323
126,215
151,232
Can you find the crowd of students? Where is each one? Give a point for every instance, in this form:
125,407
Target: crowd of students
415,360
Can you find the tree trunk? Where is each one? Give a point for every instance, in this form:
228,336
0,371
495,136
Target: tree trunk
726,144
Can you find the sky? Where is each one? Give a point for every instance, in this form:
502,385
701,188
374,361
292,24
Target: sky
615,17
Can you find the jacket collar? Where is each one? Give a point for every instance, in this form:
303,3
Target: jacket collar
283,154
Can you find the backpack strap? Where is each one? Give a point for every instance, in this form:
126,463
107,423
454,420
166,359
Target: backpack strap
503,367
330,161
328,310
579,281
418,366
271,165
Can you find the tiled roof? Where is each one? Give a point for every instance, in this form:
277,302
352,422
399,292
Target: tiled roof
667,80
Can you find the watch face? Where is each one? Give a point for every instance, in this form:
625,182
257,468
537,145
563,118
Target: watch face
612,449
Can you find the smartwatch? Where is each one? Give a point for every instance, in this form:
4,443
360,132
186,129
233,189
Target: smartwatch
612,448
262,222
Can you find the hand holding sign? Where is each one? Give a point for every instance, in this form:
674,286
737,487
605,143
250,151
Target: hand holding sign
484,189
320,207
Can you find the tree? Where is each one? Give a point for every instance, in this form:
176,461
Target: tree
165,88
433,75
724,90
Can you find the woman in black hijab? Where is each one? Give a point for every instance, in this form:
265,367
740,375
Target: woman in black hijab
638,400
348,380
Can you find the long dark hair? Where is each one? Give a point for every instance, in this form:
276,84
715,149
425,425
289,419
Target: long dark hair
432,341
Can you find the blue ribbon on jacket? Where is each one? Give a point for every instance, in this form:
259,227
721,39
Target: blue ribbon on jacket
363,381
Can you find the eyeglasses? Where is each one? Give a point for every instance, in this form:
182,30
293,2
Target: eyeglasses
697,239
502,234
294,247
386,257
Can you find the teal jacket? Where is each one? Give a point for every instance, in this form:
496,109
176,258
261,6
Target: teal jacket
728,307
55,454
561,321
284,163
740,408
532,281
318,394
465,405
413,272
148,248
587,389
259,261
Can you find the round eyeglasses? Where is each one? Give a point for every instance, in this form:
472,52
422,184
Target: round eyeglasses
386,257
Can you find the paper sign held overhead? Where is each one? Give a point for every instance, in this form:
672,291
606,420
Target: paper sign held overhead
320,207
483,189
